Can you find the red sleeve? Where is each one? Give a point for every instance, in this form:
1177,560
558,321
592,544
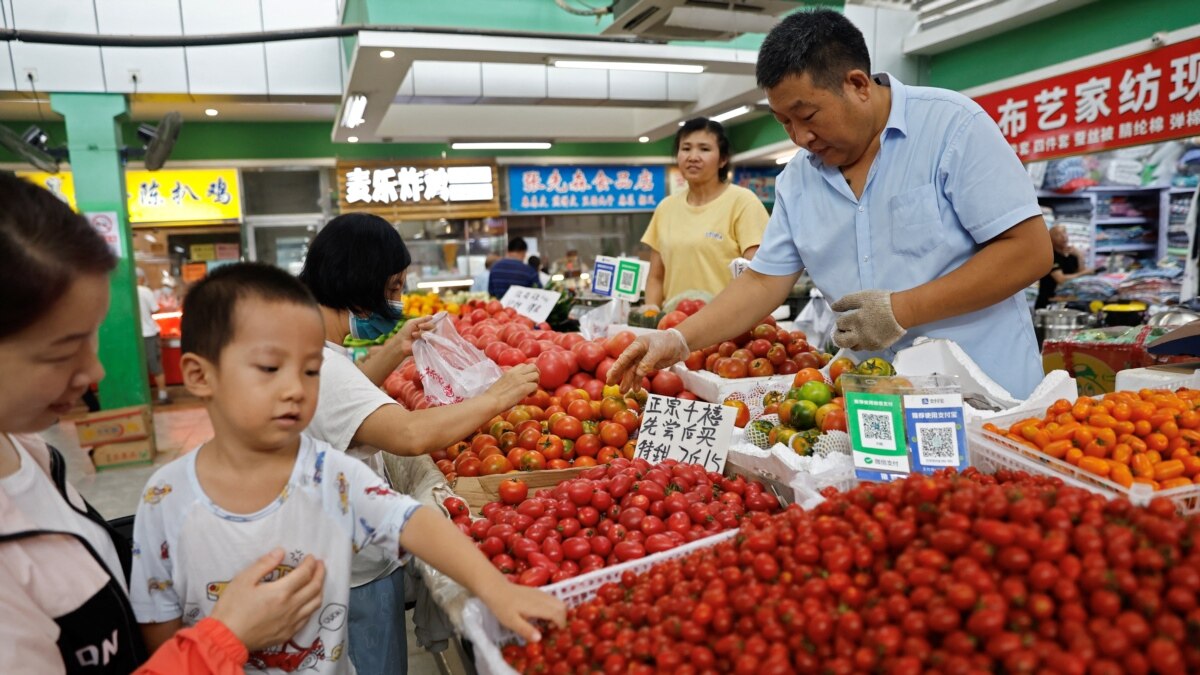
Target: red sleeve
207,648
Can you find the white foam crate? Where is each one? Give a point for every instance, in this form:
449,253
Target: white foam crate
487,635
990,452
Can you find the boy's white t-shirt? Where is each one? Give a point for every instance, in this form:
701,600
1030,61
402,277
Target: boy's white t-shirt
346,399
186,548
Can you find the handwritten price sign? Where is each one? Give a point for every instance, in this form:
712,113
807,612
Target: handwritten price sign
688,431
533,303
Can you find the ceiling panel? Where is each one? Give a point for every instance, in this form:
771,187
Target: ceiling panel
236,69
159,70
302,66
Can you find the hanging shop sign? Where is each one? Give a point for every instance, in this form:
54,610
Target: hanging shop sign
563,189
418,190
758,179
1145,98
165,196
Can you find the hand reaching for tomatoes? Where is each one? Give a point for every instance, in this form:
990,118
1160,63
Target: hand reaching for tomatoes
650,352
410,333
514,385
516,606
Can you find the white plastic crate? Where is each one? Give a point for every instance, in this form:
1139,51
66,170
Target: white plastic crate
990,452
487,635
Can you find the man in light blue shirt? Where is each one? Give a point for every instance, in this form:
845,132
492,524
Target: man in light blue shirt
905,204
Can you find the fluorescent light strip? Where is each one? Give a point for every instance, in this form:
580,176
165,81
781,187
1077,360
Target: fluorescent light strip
501,145
445,284
630,65
352,116
736,112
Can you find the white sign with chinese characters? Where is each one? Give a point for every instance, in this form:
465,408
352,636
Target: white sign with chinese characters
105,223
694,432
533,303
410,185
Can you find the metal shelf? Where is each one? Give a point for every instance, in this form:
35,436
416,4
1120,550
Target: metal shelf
1125,248
1140,220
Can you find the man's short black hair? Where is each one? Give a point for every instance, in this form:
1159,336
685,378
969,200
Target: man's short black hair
517,244
45,247
713,127
821,42
350,262
210,306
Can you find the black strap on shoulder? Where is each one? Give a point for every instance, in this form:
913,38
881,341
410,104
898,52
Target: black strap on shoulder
123,543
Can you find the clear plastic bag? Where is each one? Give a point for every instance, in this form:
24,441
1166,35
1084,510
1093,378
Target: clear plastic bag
595,323
451,369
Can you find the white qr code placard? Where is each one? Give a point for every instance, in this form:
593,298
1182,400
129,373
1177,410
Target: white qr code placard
877,429
937,444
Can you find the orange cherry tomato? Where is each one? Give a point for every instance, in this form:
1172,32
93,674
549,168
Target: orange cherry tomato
1094,465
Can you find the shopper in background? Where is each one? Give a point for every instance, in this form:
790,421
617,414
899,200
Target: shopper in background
905,204
153,345
355,265
694,235
63,570
260,482
1068,264
543,276
480,281
512,270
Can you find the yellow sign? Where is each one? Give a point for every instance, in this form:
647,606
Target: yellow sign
203,252
171,196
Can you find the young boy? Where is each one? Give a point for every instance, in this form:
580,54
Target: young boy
252,342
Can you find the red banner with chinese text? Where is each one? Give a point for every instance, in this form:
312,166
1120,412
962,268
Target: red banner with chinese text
1146,98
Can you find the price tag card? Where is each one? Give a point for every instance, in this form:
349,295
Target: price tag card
688,431
937,437
534,303
604,275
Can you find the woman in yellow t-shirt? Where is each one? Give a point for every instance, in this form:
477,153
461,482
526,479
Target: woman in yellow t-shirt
694,235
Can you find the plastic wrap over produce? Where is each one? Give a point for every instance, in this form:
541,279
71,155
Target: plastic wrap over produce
420,478
595,323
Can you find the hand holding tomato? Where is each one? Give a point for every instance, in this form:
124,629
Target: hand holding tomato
646,354
515,606
519,382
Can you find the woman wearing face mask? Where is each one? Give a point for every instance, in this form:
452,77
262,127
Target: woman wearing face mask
63,571
694,235
354,267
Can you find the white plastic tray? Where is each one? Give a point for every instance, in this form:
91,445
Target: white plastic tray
487,635
990,452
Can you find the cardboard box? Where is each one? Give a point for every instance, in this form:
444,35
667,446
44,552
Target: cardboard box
123,454
1095,364
479,490
115,426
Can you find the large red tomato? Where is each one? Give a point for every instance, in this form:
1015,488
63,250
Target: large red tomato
513,490
553,371
619,342
590,355
665,383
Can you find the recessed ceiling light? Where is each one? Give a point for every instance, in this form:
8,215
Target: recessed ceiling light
501,145
643,139
211,112
629,65
352,139
387,54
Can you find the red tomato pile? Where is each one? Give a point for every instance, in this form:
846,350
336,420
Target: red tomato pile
767,350
608,515
547,432
947,574
565,361
683,310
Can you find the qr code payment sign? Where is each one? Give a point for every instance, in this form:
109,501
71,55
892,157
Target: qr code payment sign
604,278
937,443
628,279
876,430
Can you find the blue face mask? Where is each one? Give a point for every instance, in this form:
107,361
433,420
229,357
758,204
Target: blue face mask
374,325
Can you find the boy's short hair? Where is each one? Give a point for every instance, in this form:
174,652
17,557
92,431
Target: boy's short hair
517,244
208,310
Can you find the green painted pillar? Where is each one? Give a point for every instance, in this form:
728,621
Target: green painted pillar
94,140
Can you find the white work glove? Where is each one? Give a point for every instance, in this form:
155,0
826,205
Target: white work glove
867,322
650,352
